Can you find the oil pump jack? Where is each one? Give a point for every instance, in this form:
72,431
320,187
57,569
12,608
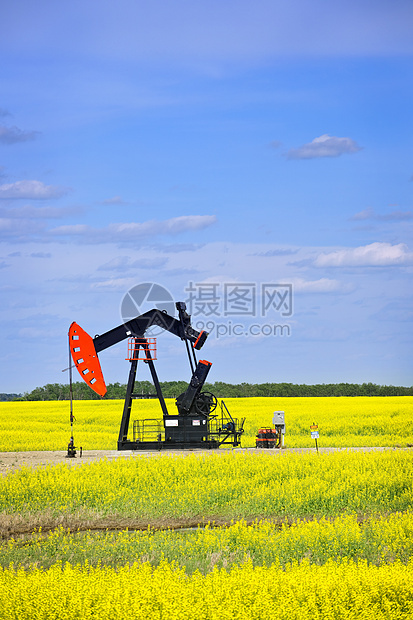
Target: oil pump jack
195,425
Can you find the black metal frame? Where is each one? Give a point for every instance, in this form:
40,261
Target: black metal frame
190,428
123,442
194,426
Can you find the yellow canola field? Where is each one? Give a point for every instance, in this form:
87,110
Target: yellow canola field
343,422
332,567
200,487
345,590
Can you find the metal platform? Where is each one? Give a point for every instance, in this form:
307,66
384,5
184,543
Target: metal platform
185,432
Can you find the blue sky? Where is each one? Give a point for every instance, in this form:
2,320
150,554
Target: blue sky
230,148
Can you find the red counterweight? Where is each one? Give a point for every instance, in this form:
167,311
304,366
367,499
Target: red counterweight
85,358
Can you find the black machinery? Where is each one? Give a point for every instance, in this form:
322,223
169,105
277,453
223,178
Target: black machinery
195,425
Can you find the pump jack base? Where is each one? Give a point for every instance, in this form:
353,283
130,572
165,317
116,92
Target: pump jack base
168,445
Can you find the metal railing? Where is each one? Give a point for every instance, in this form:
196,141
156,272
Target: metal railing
148,430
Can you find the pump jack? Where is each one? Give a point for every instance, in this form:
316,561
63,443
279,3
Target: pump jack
195,425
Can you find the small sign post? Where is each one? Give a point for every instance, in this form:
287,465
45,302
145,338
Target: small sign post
315,434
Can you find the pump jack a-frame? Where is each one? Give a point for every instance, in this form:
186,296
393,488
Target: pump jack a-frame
195,425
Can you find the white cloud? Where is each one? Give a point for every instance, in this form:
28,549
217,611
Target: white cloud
19,230
40,255
115,284
275,144
372,255
115,200
29,223
72,230
324,146
32,190
179,247
366,214
394,216
189,30
133,230
12,135
323,285
39,213
172,226
124,263
277,252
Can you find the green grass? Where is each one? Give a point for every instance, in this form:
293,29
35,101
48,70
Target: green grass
377,540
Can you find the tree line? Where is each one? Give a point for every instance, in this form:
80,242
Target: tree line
172,389
4,397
